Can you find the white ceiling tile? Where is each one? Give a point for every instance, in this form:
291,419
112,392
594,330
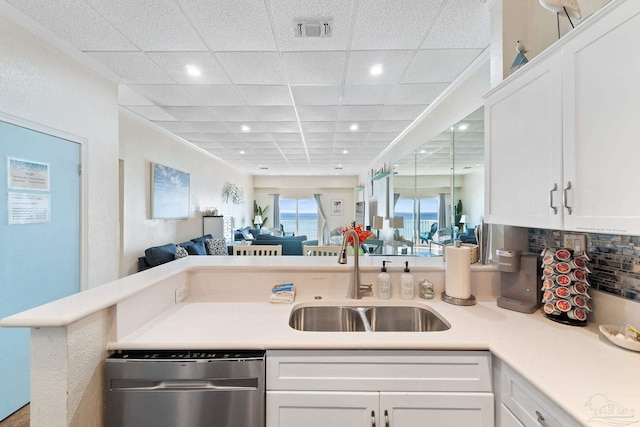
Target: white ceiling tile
151,112
165,95
342,137
233,114
281,127
132,67
364,112
318,136
391,125
126,96
215,127
314,68
381,136
76,22
285,137
177,126
216,95
318,127
383,24
191,114
363,126
286,13
175,65
401,112
265,94
275,114
254,127
316,95
423,94
317,113
365,94
437,66
394,64
258,136
157,26
239,25
461,24
252,67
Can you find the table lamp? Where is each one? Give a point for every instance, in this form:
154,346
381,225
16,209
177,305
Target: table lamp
258,221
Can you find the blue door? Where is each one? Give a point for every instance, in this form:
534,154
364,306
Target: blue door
39,241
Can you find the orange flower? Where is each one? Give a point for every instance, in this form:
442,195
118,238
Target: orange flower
362,233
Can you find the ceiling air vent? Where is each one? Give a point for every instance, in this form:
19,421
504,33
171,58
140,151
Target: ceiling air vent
321,28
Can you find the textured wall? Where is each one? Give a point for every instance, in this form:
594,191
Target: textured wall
615,259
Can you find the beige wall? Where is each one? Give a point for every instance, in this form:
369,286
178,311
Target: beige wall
141,145
43,86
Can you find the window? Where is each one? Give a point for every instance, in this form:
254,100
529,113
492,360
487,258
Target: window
426,210
299,217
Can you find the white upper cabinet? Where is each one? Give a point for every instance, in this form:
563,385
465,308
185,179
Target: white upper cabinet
569,121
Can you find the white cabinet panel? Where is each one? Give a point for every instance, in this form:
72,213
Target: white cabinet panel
321,409
437,409
507,419
601,113
523,126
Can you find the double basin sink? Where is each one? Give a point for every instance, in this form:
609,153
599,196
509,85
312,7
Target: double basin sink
367,319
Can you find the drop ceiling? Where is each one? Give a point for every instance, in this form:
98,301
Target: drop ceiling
266,99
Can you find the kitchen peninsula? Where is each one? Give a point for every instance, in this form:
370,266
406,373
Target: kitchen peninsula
227,307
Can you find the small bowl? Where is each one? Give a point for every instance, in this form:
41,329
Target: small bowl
610,332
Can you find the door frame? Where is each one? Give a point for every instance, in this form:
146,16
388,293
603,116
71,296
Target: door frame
84,179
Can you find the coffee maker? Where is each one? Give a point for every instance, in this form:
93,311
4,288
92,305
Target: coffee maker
520,280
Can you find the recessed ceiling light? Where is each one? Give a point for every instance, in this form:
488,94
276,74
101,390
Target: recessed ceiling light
241,151
423,151
354,126
463,126
375,70
192,70
245,128
345,151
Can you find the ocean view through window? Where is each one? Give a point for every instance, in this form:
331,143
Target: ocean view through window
299,217
426,209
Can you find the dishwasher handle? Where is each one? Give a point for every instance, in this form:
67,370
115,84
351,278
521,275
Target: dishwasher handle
185,385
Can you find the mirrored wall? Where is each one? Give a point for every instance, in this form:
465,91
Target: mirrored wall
438,191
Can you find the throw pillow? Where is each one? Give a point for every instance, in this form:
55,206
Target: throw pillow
194,248
160,254
181,252
217,247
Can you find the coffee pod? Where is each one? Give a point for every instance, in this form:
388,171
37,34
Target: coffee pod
563,254
563,267
563,305
548,271
578,275
577,314
562,292
551,309
548,284
563,280
580,263
579,301
548,259
548,296
580,288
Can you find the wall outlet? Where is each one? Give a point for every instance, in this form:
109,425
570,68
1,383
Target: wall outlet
181,293
577,242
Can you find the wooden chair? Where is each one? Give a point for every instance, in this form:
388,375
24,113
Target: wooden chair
322,251
258,250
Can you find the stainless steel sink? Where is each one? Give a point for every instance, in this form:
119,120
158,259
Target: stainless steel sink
369,318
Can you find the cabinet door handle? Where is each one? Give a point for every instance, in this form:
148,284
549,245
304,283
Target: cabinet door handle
386,418
373,418
541,420
555,188
565,200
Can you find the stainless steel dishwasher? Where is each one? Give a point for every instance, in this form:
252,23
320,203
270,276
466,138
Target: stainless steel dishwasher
185,389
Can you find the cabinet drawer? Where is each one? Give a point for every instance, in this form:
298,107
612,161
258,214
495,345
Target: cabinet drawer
529,405
379,370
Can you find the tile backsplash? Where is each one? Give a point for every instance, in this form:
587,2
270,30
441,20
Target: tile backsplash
615,259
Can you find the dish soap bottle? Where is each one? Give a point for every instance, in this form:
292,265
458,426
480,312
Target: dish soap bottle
384,282
406,283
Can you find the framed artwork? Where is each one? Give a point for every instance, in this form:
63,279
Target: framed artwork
170,193
337,207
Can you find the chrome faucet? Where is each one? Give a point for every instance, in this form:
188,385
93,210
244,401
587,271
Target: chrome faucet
355,289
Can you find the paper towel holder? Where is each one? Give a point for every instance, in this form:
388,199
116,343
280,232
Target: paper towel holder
458,301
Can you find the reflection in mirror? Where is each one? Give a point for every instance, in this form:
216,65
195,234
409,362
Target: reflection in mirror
439,189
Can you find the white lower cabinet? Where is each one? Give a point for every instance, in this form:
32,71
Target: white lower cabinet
379,388
519,403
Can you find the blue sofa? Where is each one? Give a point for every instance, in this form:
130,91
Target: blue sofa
291,245
158,255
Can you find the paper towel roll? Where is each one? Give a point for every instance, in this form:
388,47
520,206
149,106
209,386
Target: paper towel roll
458,272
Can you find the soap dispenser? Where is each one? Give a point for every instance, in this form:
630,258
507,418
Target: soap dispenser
406,283
384,282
